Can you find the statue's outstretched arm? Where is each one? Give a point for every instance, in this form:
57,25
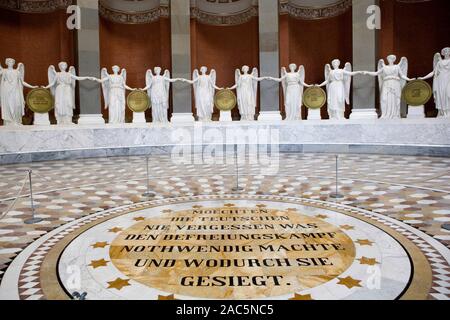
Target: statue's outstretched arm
323,83
80,78
233,87
428,76
404,77
29,86
353,73
129,88
274,79
98,80
370,73
51,84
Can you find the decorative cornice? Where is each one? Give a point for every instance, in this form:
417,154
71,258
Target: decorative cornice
35,6
314,13
224,20
132,17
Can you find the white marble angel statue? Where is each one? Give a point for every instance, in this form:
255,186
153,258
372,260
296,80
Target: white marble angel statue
441,82
157,87
12,102
338,82
293,83
62,85
204,90
392,79
246,86
114,87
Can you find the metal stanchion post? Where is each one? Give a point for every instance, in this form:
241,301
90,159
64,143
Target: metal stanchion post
33,219
148,193
337,195
237,188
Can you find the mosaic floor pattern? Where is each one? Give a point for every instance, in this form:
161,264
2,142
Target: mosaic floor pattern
95,220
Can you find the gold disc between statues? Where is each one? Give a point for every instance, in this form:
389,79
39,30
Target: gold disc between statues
40,100
225,100
138,101
417,93
314,97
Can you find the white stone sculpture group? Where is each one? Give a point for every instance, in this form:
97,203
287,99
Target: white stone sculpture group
391,77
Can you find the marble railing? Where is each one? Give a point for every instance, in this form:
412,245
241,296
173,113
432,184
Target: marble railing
406,136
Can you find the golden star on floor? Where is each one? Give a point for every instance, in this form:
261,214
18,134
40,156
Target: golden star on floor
118,283
367,261
139,219
228,205
364,242
100,244
347,227
349,282
169,297
321,216
115,230
301,297
261,205
98,263
197,207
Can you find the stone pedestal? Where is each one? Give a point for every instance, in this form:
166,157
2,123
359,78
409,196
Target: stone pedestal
41,119
88,119
358,114
314,114
139,117
225,116
269,116
182,117
416,112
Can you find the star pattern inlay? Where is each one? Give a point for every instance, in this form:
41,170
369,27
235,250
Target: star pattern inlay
349,282
301,297
367,261
364,242
100,244
118,284
98,263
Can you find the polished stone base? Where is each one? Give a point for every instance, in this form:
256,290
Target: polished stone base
429,137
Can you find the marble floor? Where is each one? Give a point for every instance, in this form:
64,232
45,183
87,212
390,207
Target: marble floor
409,197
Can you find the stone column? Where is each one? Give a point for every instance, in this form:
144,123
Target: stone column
269,60
181,60
88,46
364,58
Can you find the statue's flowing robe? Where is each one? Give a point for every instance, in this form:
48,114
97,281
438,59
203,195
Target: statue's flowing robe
336,94
117,102
246,97
204,97
293,96
391,93
12,101
64,102
441,88
160,99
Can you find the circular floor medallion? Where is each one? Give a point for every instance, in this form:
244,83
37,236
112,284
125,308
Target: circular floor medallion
240,249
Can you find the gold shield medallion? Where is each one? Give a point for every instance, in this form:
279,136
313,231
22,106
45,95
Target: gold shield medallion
417,93
138,101
225,100
314,97
40,100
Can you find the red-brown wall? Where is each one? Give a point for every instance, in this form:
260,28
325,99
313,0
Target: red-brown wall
416,31
225,49
135,47
37,40
314,43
